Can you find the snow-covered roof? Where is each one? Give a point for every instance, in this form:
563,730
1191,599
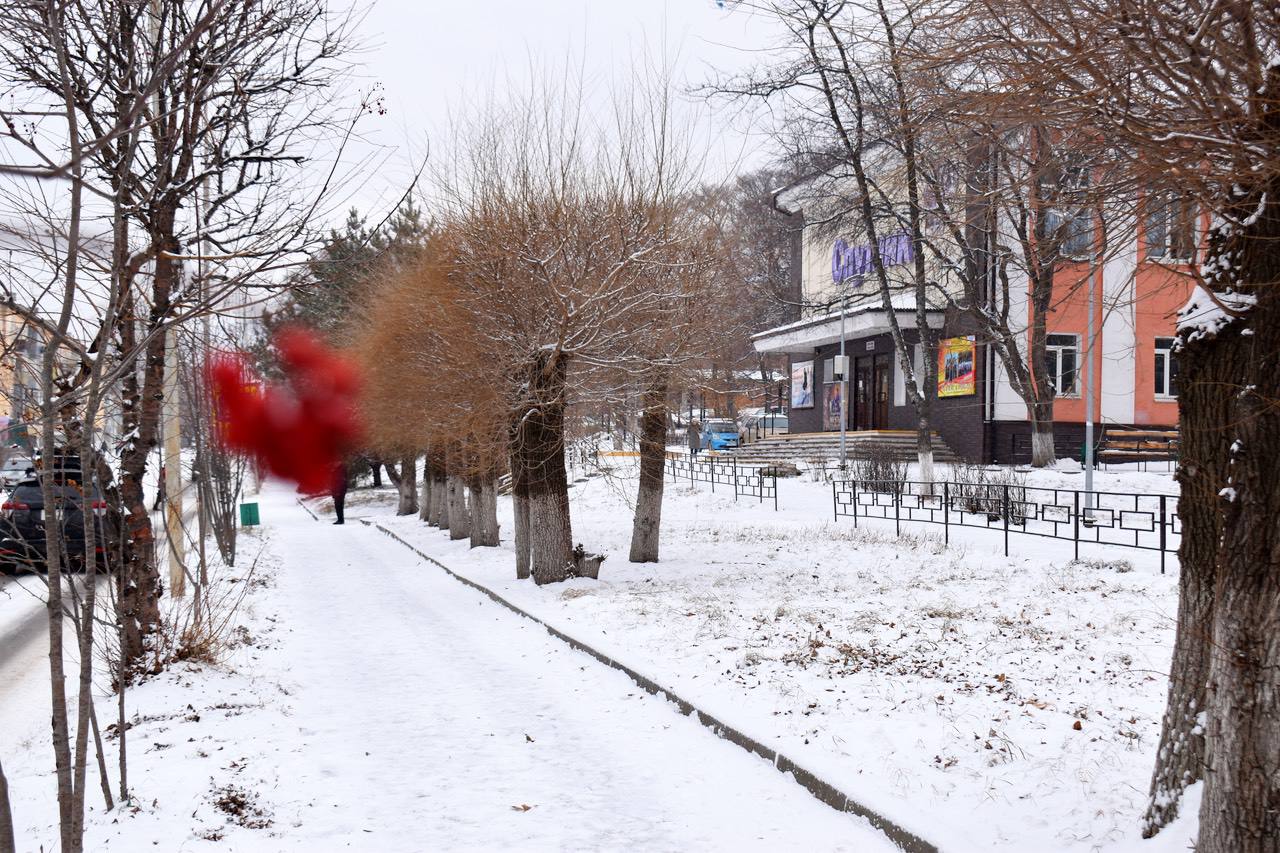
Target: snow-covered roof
865,316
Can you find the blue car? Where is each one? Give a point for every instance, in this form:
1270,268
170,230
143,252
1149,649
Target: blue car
719,434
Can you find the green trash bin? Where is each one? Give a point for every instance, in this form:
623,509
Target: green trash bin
248,515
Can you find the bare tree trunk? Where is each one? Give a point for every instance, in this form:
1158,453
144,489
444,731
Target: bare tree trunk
618,422
407,487
542,445
139,607
1240,810
475,485
524,553
122,726
103,779
7,844
550,536
68,804
375,467
57,669
432,509
653,448
392,474
484,511
84,699
424,499
1043,452
440,492
459,517
520,510
1205,405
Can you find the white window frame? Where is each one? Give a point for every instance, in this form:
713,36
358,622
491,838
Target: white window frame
1053,352
1165,374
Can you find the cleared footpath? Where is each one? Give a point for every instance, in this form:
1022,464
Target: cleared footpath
427,716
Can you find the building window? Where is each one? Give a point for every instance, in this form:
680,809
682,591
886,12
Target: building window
1171,228
1166,369
31,344
1069,222
1062,355
1073,229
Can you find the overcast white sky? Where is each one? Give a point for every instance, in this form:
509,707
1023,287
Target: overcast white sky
432,57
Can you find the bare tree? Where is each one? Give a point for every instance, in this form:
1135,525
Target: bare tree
1190,94
689,318
231,121
994,199
845,77
549,216
427,390
96,81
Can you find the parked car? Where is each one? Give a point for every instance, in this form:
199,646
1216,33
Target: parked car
765,424
23,517
15,469
719,433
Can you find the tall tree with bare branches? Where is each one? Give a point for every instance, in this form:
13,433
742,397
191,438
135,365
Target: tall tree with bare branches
1190,93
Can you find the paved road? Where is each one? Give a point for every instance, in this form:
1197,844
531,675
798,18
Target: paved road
429,712
24,634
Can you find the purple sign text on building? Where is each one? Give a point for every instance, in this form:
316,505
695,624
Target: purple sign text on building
855,261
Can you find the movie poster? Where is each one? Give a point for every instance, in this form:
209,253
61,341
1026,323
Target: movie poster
802,384
957,367
831,405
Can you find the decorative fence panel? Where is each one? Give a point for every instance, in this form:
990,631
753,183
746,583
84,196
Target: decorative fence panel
724,472
1118,519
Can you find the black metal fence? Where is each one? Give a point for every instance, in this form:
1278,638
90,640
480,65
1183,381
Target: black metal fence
1063,448
753,481
1117,519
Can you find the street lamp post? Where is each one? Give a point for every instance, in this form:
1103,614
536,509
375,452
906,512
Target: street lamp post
844,384
1088,396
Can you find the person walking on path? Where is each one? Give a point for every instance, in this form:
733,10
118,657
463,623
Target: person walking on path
695,438
338,489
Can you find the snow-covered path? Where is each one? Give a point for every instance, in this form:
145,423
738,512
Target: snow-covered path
424,716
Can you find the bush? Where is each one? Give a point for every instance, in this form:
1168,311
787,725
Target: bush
876,467
976,490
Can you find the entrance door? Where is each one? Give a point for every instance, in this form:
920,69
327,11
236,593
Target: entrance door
883,372
864,377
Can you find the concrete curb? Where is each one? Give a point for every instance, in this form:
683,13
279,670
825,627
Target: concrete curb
824,791
310,512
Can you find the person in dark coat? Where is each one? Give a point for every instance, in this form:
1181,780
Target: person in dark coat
339,490
695,438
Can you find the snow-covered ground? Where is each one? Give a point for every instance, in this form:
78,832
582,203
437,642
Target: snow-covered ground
985,702
19,595
369,702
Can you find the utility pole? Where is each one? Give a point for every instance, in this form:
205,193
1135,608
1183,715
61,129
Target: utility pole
171,423
1088,395
173,468
844,382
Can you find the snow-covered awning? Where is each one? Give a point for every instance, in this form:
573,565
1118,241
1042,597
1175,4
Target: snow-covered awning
863,318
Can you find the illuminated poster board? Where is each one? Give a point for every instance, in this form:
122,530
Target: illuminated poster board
957,367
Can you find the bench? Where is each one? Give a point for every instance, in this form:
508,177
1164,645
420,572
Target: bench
1120,445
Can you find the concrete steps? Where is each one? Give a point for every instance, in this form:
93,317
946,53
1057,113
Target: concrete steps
826,445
